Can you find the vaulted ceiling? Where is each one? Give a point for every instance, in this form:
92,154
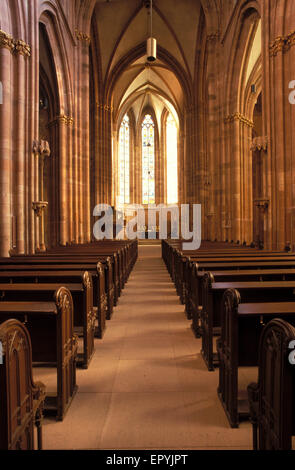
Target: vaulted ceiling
121,30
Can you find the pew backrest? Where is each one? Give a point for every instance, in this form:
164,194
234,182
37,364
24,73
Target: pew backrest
271,399
20,396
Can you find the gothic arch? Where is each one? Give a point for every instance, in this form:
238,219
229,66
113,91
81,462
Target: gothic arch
209,7
61,61
60,130
245,29
13,19
238,124
138,52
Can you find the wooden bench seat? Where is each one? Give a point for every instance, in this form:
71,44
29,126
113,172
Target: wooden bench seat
262,291
194,298
81,287
194,273
271,398
108,288
183,265
51,328
113,269
102,300
21,405
84,314
126,258
172,254
238,345
114,260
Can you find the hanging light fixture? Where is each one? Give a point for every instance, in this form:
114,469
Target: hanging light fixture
151,44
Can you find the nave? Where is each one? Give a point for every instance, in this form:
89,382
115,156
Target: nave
147,386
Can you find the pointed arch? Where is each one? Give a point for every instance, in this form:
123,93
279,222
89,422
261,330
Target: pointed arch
60,60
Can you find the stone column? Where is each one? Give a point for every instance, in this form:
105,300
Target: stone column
37,196
63,133
75,222
212,139
108,154
261,199
279,53
104,154
23,52
83,52
42,151
6,48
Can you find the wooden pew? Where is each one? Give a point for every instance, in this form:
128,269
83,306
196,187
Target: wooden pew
102,274
84,314
115,262
242,324
51,328
195,298
102,302
172,254
118,259
195,272
211,320
182,276
179,260
193,285
271,398
126,253
22,400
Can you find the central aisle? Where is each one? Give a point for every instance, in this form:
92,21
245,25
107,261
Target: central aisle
147,387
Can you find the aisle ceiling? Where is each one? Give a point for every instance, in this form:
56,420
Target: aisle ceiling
121,26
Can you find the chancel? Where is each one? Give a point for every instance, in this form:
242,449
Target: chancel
173,328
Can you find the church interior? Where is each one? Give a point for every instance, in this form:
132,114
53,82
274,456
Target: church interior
131,340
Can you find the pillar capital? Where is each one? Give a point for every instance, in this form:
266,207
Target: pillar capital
239,117
67,120
39,207
262,204
212,37
22,48
14,45
83,37
282,44
6,40
259,143
41,147
104,107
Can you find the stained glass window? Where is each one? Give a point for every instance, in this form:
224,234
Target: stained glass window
172,173
148,160
124,161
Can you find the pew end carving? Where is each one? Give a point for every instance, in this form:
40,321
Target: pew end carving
271,399
21,405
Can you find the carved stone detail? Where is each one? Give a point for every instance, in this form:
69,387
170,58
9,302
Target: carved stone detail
262,204
41,147
239,117
6,41
259,143
22,48
67,120
105,107
213,36
39,207
14,45
82,36
282,44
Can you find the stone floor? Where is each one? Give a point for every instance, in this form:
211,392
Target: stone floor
147,386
